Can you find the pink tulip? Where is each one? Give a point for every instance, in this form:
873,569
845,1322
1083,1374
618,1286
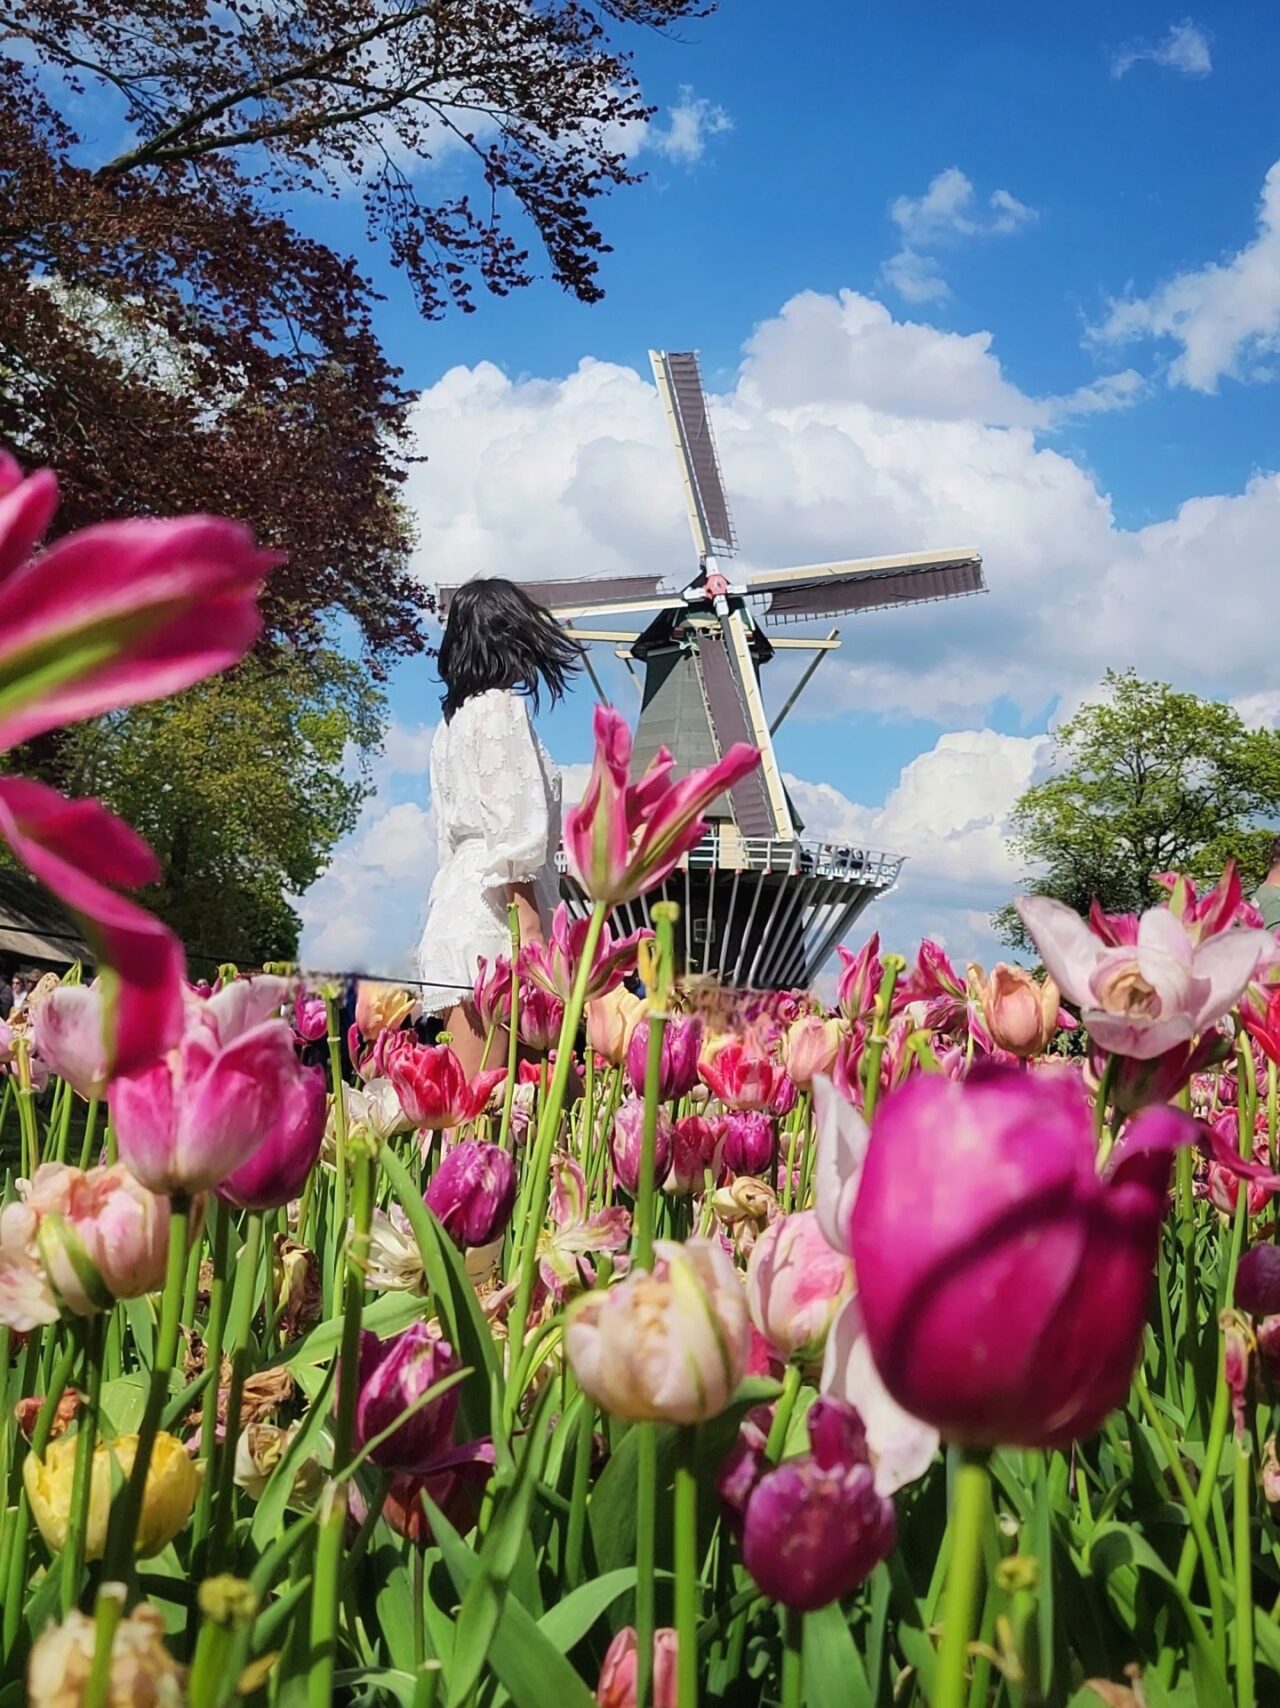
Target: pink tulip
1143,998
277,1170
1003,1284
564,1252
681,1042
1136,1082
553,965
310,1018
695,1148
492,992
859,981
809,1047
77,1240
625,838
70,1037
473,1192
617,1686
742,1076
627,1140
796,1285
541,1019
194,1117
1022,1014
1217,910
432,1083
394,1374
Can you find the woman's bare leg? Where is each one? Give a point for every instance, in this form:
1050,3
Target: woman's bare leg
467,1038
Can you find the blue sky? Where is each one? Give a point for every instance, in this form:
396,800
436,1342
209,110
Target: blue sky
989,275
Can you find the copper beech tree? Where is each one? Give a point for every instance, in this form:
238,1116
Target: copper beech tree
171,340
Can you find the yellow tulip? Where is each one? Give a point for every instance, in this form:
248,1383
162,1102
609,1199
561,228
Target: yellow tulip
173,1482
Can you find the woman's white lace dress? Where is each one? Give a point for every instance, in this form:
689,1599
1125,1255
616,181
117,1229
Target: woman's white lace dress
496,795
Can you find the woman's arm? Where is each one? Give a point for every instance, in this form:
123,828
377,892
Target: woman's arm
526,912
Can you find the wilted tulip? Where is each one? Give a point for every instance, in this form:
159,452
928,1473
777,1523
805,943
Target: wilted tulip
77,1240
1021,1015
742,1075
564,1250
373,1109
70,1032
277,1171
627,1142
681,1042
796,1284
860,978
617,1686
380,1008
553,966
173,1482
809,1047
395,1262
433,1087
670,1346
259,1449
1004,1285
192,1118
394,1374
611,1019
143,1673
748,1143
473,1192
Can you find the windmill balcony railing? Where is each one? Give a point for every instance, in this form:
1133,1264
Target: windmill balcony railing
790,857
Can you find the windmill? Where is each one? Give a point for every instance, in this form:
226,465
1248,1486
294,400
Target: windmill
761,906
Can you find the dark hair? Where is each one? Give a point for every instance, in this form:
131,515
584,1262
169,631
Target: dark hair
497,637
1275,851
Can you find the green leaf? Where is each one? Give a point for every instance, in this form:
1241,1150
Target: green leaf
833,1672
1118,1545
385,1316
269,1516
123,1402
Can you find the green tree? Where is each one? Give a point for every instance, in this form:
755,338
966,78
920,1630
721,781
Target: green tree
1145,780
242,786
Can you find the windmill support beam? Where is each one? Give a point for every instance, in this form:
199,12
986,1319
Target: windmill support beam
829,645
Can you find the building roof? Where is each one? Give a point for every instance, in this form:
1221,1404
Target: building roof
34,927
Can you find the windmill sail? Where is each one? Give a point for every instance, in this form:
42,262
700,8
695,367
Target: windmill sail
680,388
869,584
753,809
588,593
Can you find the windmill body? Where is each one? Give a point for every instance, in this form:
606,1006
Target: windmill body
761,906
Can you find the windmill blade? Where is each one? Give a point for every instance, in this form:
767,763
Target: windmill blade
869,584
588,593
680,388
736,711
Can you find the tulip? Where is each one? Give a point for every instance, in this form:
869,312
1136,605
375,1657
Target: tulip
681,1044
1021,1014
1003,1284
173,1482
541,1019
395,1261
143,1674
553,966
625,838
670,1346
373,1109
815,1527
617,1686
194,1117
310,1018
491,993
277,1171
70,1035
809,1047
796,1284
1143,998
393,1375
611,1019
742,1076
1218,910
433,1087
1258,1281
456,1486
748,1143
564,1251
1136,1082
695,1148
859,983
77,1240
380,1008
1260,1012
473,1192
627,1142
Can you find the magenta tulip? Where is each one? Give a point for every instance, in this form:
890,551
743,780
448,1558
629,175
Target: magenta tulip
553,966
627,1142
744,1076
541,1018
432,1083
394,1374
859,984
277,1171
473,1192
681,1043
695,1148
748,1143
1258,1281
1003,1284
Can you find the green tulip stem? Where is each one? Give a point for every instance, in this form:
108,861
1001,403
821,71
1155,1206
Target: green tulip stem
1242,1545
339,1093
219,1300
686,1567
108,1612
893,966
646,1550
966,1525
237,1342
664,918
90,1131
792,1658
94,1337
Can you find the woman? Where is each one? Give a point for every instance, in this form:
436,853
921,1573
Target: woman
496,795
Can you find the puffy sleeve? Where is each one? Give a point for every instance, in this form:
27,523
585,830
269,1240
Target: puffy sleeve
515,795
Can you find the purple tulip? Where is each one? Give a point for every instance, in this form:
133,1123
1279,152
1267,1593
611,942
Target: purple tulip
1258,1281
812,1528
681,1045
277,1171
473,1192
1003,1283
393,1374
750,1142
628,1139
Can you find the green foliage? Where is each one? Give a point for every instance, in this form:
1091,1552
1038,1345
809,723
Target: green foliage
1146,780
242,786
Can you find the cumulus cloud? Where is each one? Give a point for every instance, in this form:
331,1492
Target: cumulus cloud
1183,48
1225,317
947,212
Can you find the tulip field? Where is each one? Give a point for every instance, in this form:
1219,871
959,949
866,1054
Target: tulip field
701,1346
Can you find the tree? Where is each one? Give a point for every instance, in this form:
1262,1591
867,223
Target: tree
241,788
171,341
1145,780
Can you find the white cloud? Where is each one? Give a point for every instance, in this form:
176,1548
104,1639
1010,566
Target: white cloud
1183,48
947,212
1225,317
690,123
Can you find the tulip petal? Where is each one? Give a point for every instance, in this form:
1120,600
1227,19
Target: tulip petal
1067,946
902,1446
26,510
842,1138
1226,963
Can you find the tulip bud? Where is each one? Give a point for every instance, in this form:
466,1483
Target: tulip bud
393,1374
310,1017
70,1035
681,1042
1022,1015
617,1686
290,1148
143,1672
796,1283
541,1018
173,1482
610,1022
473,1192
627,1144
809,1047
380,1008
670,1346
749,1143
